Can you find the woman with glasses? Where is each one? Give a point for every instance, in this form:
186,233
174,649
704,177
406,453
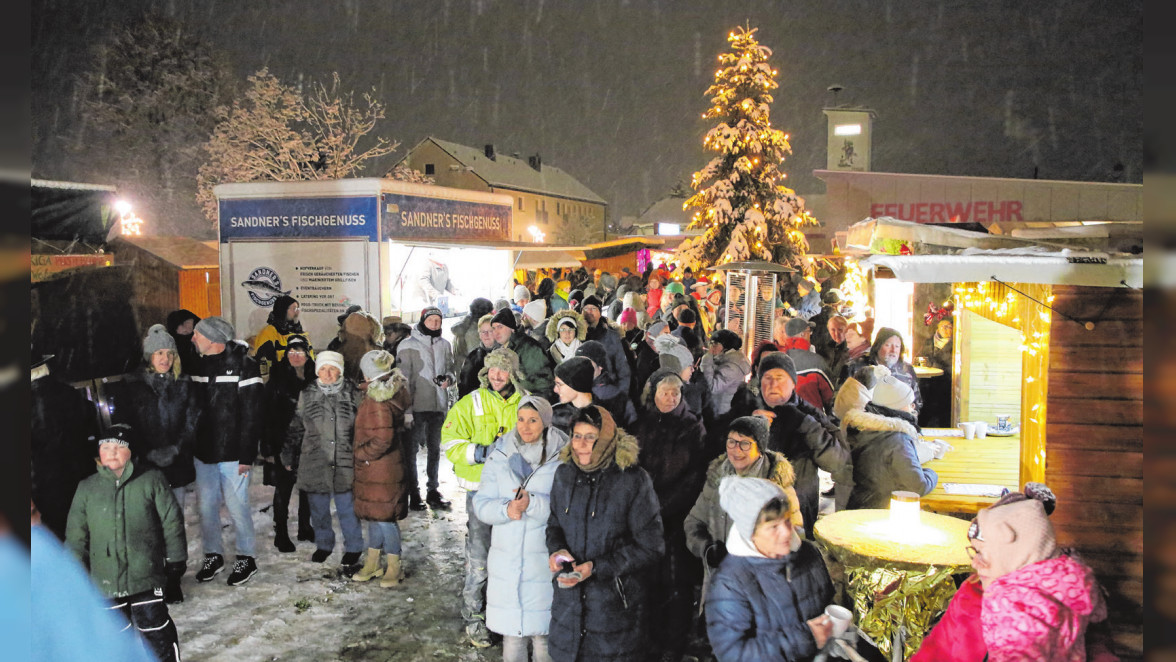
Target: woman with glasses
515,500
604,537
1028,599
708,525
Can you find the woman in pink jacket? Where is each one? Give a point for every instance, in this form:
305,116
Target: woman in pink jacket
1029,600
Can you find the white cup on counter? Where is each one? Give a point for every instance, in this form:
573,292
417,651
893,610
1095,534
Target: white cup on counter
969,429
981,429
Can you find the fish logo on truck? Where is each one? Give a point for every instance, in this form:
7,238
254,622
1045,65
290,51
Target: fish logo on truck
264,286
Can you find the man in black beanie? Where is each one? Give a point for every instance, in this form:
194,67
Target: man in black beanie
573,388
534,361
269,345
801,432
615,371
608,394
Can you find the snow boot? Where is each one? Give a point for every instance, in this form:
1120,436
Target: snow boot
395,573
172,593
371,567
282,539
415,502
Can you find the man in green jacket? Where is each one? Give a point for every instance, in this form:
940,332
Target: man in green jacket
127,528
535,364
473,425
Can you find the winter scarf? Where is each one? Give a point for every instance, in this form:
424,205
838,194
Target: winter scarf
330,389
426,330
605,448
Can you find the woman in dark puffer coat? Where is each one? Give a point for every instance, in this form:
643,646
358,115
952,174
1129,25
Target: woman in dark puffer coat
288,377
604,526
767,598
673,452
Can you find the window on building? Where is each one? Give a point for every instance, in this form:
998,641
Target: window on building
430,169
520,203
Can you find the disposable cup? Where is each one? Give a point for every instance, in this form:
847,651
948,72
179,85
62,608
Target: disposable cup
969,430
840,617
981,429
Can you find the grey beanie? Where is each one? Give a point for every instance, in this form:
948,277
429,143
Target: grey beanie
754,427
521,293
540,405
157,338
744,498
216,329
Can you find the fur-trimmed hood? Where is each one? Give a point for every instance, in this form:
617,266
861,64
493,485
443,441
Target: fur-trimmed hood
553,325
624,455
362,324
782,473
387,389
866,421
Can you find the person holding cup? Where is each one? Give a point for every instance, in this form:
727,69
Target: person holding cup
604,537
768,598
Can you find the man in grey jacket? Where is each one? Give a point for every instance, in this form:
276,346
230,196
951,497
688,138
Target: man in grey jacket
427,360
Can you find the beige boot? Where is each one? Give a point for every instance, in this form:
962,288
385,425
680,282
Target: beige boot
371,567
395,573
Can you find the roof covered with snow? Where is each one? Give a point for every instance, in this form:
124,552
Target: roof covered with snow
504,171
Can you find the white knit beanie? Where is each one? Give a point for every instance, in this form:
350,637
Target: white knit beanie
520,293
893,393
329,358
534,311
744,498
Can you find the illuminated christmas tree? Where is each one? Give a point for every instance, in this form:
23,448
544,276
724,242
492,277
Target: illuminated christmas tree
744,209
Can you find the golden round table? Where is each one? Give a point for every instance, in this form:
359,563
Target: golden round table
899,577
923,372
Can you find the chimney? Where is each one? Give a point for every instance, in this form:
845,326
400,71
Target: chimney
490,151
536,162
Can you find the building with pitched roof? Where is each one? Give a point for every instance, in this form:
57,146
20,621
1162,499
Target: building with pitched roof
546,198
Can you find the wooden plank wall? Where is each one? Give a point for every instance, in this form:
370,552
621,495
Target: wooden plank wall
200,291
1094,444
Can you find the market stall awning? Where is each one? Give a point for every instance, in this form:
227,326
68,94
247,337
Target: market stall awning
880,235
1015,266
546,258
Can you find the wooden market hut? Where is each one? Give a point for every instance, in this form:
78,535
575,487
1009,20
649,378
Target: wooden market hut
171,273
1079,317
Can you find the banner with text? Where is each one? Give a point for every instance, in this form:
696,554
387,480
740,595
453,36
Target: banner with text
415,217
299,217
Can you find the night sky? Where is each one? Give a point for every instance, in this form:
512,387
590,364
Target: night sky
612,92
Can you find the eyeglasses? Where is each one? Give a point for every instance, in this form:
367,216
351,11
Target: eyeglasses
743,445
974,532
591,438
972,552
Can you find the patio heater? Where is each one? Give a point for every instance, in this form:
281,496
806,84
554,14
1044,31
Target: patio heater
751,292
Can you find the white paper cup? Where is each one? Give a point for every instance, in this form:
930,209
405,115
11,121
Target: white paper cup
969,430
981,429
840,617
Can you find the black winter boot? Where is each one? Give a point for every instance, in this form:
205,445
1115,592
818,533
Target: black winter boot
282,539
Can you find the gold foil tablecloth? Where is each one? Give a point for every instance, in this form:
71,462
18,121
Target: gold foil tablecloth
896,576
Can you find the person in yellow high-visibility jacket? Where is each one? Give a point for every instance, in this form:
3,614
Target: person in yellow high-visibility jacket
471,428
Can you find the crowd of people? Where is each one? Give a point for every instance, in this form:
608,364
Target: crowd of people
631,478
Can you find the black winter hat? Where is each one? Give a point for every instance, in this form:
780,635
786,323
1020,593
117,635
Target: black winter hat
119,433
591,300
754,427
727,338
595,351
778,360
578,373
505,317
687,316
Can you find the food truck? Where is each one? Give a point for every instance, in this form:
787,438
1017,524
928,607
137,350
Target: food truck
391,247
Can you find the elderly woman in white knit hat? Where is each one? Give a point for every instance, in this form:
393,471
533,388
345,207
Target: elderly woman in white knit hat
883,441
1028,600
515,499
766,601
323,429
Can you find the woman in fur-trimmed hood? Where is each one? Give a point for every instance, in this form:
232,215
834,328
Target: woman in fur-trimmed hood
565,331
604,529
882,440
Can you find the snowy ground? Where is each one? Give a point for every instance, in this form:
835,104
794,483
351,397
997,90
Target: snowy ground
293,609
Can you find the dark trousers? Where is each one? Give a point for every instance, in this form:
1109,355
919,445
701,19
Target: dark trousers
147,613
672,596
283,490
426,432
